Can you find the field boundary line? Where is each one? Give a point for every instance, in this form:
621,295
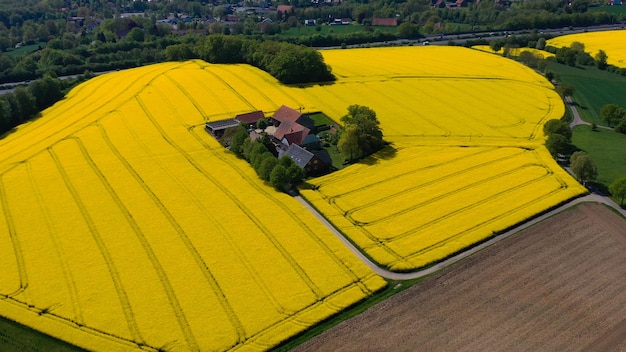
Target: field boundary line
590,198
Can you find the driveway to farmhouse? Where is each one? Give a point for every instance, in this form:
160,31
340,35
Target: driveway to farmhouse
594,198
420,273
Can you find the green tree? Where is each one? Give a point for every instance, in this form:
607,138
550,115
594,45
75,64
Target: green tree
557,144
408,30
559,127
136,34
238,139
601,59
618,189
365,138
46,91
265,167
612,114
179,52
27,103
583,167
295,174
279,178
5,116
566,56
541,44
348,144
565,90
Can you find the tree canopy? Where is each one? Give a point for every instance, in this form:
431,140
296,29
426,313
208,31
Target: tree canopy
559,127
618,189
583,167
613,114
559,137
362,135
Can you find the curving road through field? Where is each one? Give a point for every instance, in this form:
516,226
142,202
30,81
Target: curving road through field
430,270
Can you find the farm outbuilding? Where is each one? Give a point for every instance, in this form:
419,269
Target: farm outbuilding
217,128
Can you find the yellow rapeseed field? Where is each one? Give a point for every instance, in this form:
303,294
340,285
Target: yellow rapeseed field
612,42
466,158
515,51
126,226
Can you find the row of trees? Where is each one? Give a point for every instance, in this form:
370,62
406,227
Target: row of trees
27,101
559,141
283,174
581,164
289,63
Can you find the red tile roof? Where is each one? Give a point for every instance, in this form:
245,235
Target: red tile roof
250,117
292,131
391,21
285,113
284,8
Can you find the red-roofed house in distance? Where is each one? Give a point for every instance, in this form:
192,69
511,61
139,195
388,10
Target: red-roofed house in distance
385,21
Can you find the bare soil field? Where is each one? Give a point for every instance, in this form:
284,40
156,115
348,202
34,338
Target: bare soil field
556,286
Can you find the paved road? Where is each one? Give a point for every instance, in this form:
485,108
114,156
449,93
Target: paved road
577,120
421,273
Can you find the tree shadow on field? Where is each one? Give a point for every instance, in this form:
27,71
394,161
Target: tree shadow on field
9,132
311,84
387,153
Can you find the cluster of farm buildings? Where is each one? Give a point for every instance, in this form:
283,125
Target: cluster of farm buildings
292,133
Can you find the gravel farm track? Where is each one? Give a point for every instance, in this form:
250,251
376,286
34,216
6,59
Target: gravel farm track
555,286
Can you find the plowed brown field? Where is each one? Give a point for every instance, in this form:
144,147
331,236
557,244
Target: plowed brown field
557,286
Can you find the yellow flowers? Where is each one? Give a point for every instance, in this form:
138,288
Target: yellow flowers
516,51
466,157
429,202
612,42
126,226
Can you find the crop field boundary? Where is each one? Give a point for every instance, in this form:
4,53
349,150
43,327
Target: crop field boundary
455,257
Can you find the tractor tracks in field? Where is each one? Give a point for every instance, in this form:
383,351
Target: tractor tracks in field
590,198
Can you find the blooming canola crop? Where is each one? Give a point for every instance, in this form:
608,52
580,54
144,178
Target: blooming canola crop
611,42
126,226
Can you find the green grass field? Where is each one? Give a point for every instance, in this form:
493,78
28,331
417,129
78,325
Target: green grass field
23,50
606,148
593,89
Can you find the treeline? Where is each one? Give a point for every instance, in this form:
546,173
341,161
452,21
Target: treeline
325,40
27,101
289,63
